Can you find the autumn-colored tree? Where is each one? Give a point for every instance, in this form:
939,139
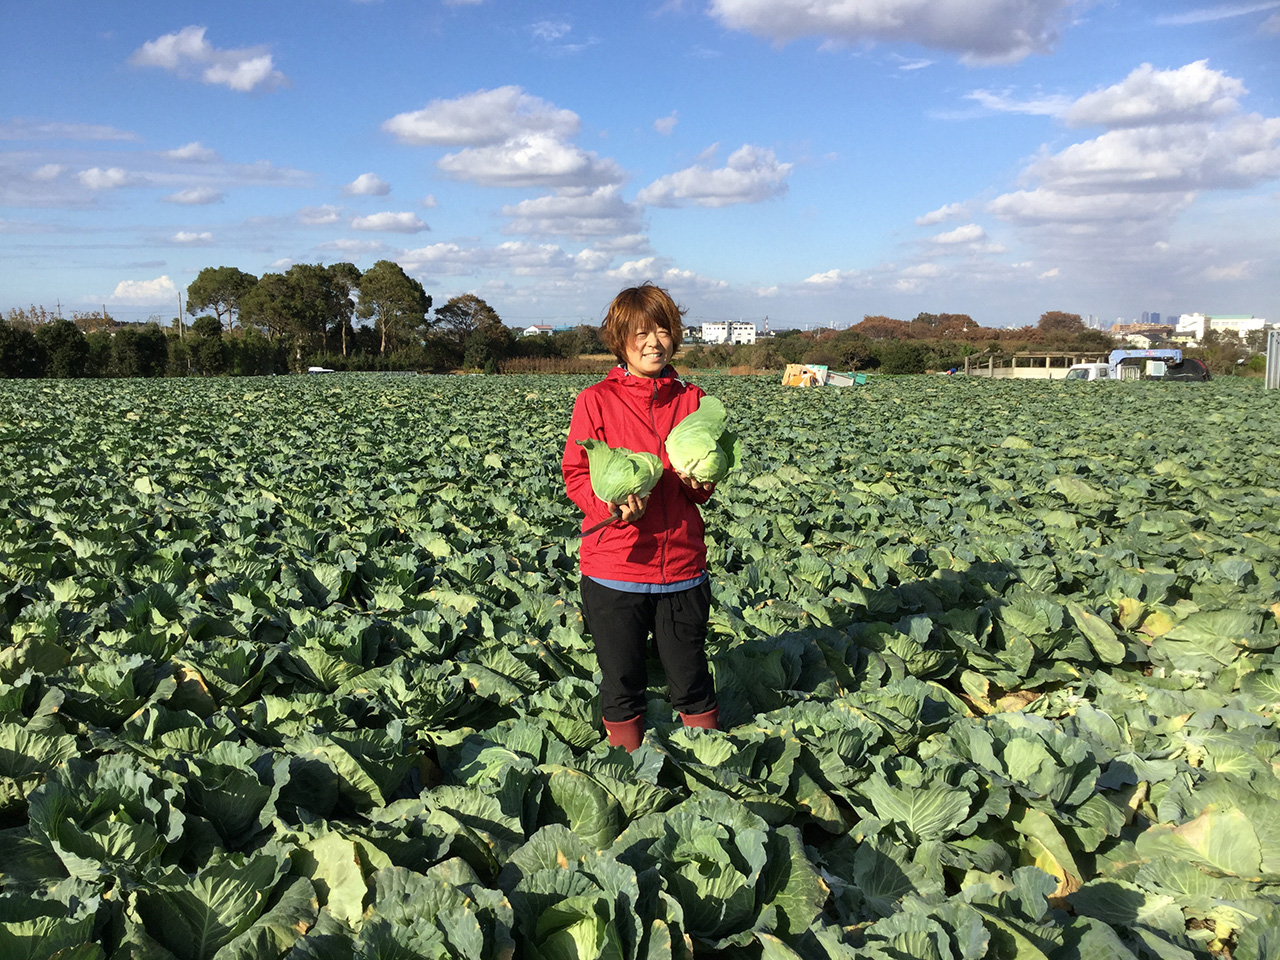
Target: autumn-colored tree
30,319
1058,323
89,321
883,328
955,326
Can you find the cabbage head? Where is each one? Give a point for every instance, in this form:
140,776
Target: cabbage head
700,447
617,472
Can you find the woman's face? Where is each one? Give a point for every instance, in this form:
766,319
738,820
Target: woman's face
648,351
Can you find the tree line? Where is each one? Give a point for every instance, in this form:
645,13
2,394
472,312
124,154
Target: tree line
928,342
334,316
341,318
943,341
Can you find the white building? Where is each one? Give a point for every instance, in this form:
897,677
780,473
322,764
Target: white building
538,329
728,331
1195,324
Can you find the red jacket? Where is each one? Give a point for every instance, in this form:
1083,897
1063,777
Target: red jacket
666,545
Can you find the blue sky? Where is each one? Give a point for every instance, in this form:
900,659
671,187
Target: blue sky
809,161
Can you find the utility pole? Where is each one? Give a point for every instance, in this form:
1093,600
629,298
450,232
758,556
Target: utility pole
179,317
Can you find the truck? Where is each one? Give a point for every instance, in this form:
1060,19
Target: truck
1088,371
1120,365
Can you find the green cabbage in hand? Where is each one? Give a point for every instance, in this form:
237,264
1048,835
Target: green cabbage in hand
700,447
617,472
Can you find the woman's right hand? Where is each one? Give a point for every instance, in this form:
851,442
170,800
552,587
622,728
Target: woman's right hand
632,509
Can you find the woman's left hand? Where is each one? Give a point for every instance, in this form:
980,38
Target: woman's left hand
697,485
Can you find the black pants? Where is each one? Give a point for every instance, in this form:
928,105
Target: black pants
620,625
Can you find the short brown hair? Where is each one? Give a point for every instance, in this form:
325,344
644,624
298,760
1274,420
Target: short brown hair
636,309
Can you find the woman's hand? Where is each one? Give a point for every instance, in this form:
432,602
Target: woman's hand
632,509
696,485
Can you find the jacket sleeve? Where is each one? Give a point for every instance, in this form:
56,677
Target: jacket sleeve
577,475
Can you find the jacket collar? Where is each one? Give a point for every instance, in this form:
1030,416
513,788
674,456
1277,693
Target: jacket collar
620,374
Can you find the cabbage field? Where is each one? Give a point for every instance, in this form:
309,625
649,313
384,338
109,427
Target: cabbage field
293,667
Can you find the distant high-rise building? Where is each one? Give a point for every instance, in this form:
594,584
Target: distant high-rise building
1146,316
1155,317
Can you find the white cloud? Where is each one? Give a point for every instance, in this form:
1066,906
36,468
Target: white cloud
244,75
95,178
173,49
194,151
429,201
550,30
913,278
665,125
924,271
1044,205
510,139
1174,134
631,243
354,249
318,216
1239,153
195,196
441,259
187,53
637,271
21,129
992,31
1222,11
1150,97
532,259
833,278
551,33
145,292
751,175
575,213
390,222
532,160
676,279
188,237
50,171
969,233
1050,106
946,212
483,118
367,185
1049,274
1271,26
907,64
1233,271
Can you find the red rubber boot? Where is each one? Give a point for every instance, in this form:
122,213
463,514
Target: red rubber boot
707,721
625,733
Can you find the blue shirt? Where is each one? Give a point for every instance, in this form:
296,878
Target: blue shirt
628,586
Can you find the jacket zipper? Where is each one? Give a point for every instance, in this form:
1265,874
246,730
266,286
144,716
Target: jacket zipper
653,425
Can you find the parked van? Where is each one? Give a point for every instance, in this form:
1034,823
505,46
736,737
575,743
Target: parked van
1088,371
